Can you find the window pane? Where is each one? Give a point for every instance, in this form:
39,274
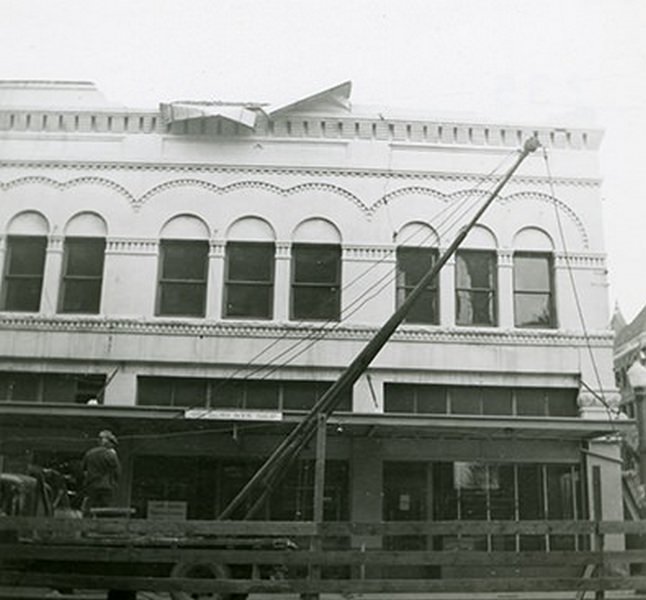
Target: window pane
245,300
412,265
530,402
184,260
316,273
315,263
475,269
431,399
227,393
189,392
445,501
82,296
24,273
250,262
300,395
399,398
465,401
26,255
182,299
424,309
471,479
154,391
532,273
496,401
84,257
560,492
262,394
23,294
562,403
59,388
533,310
530,493
501,492
315,303
475,308
20,387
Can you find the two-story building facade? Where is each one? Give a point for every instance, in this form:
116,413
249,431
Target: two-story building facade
194,276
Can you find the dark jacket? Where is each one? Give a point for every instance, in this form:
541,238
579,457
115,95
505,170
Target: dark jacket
101,468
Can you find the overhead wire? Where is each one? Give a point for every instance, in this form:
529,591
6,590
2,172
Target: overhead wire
577,300
452,214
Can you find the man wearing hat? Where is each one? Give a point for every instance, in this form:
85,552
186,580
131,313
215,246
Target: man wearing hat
101,472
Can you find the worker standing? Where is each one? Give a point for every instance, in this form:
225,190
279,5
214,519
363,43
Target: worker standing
101,472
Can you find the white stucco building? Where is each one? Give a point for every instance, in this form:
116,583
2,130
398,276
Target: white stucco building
205,269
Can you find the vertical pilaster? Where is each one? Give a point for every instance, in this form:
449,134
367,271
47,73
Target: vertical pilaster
505,291
215,281
52,275
447,292
3,254
282,281
122,388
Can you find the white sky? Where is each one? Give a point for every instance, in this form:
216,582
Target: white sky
559,61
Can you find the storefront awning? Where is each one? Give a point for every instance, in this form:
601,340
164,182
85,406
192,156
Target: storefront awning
22,417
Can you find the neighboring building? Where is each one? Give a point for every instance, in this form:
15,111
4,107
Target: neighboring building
204,271
630,346
629,361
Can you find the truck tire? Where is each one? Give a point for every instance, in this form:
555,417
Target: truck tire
204,571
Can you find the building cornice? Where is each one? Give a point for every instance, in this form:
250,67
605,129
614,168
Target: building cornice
294,126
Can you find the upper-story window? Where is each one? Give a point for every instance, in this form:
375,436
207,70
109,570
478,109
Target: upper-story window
249,280
23,276
412,264
475,287
316,282
533,290
82,275
182,278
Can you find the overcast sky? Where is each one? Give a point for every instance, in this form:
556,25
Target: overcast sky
556,61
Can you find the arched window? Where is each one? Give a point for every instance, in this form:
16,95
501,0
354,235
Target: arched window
183,267
415,256
83,260
534,303
316,271
476,279
25,262
249,272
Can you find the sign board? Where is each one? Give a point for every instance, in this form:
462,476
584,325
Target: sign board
233,414
168,510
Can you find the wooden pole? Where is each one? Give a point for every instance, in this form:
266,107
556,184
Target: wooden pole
597,508
302,433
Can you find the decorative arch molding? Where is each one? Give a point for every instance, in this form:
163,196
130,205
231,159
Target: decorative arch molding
254,185
481,237
28,222
251,228
71,183
533,238
86,224
417,233
562,206
408,191
185,226
317,230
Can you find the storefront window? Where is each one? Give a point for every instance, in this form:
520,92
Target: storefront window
479,400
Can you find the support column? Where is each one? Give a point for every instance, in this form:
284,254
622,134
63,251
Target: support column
215,281
505,291
446,300
282,281
52,275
